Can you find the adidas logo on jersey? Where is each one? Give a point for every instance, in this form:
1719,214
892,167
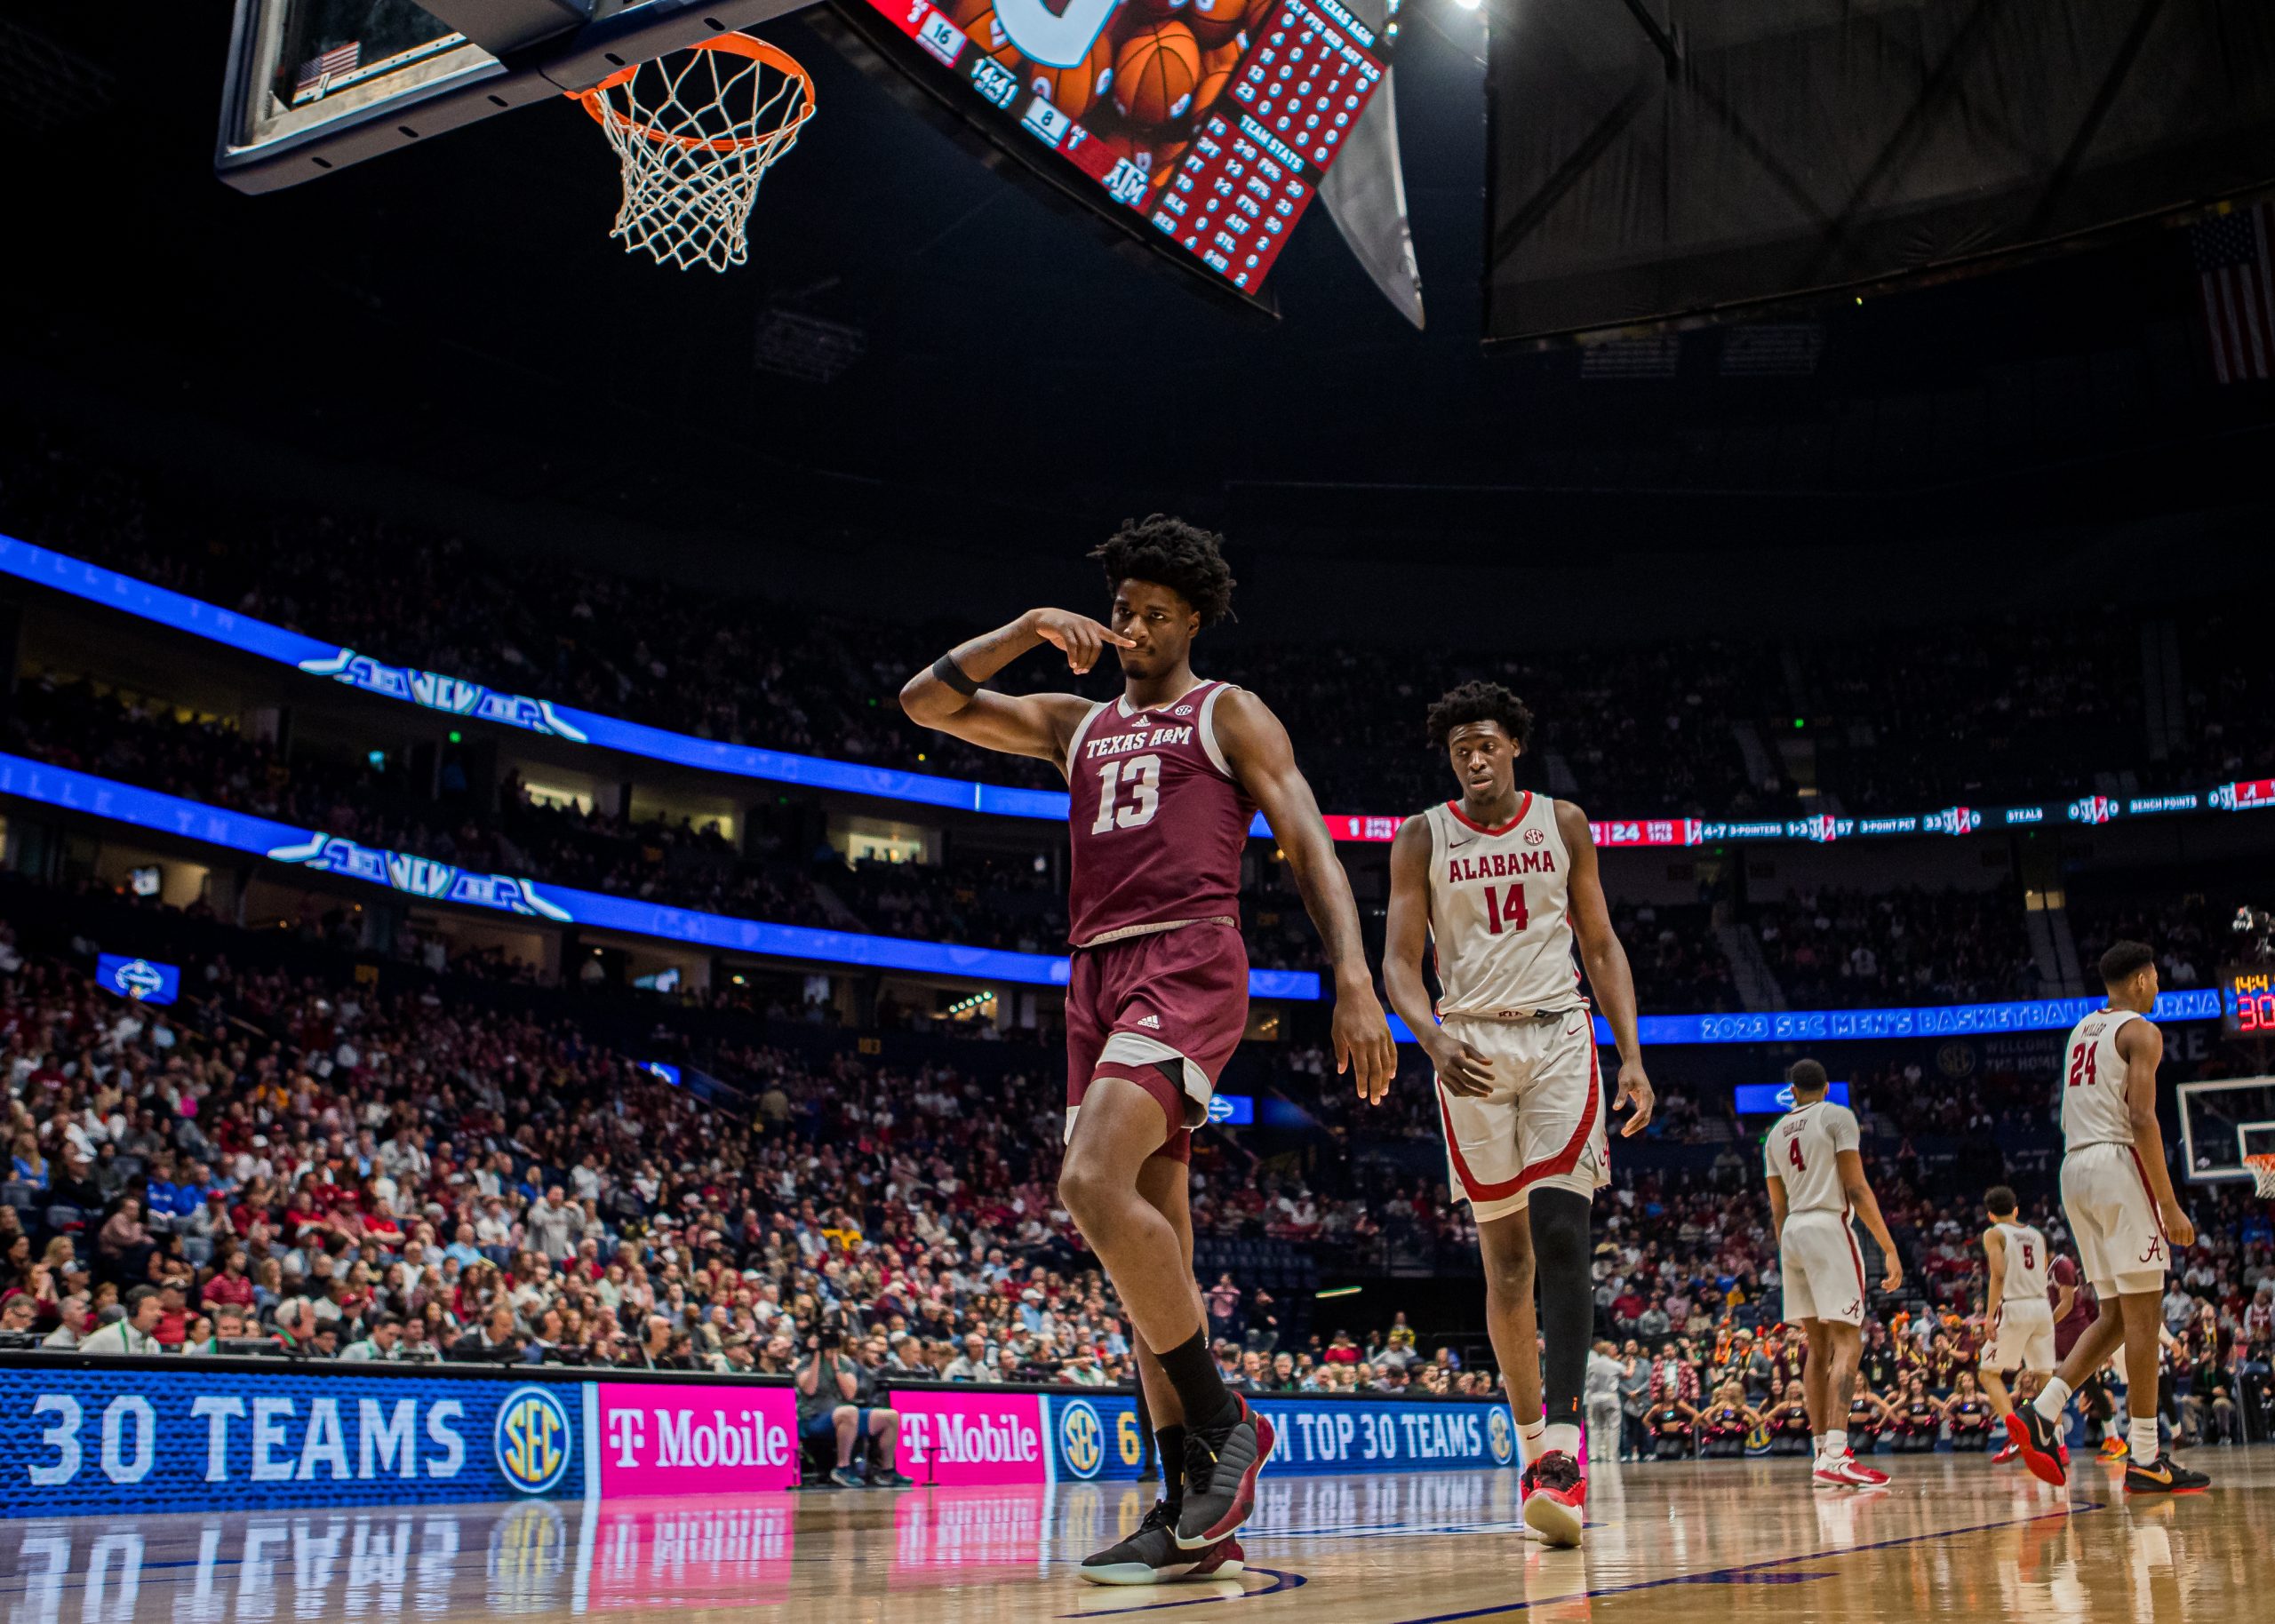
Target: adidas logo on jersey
1153,1020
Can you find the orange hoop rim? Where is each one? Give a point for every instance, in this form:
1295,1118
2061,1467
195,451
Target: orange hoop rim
733,45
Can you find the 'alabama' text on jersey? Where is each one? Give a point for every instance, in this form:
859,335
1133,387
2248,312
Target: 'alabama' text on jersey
1499,919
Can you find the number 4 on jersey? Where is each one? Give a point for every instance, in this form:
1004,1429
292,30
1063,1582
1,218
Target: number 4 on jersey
1793,1155
1505,911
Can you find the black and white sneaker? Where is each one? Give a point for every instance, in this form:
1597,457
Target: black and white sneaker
1221,1467
1151,1556
2161,1476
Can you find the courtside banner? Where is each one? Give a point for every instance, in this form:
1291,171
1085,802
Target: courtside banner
677,1440
1097,1436
969,1435
138,1440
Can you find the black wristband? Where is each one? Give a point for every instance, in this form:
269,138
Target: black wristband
946,669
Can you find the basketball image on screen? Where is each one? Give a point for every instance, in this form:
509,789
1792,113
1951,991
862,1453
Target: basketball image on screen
1215,119
1155,74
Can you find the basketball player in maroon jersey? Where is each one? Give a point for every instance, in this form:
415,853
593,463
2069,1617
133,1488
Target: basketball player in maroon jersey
1162,783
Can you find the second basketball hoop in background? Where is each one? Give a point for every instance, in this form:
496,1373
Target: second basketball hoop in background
695,131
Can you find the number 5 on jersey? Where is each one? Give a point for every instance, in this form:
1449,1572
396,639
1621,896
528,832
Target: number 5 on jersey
1143,775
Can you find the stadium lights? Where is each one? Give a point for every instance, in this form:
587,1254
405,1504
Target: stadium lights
1468,6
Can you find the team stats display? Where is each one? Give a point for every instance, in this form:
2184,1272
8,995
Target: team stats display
1213,122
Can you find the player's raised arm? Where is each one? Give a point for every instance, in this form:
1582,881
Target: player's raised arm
1608,977
1256,748
1405,939
947,696
2143,1045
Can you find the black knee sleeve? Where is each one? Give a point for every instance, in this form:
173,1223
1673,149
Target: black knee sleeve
1567,1303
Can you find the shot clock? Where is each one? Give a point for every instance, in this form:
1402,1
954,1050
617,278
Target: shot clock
2247,1001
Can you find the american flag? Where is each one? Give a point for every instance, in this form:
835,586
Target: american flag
2232,263
338,60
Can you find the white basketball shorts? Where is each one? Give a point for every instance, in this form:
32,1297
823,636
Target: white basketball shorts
1543,1125
2113,1218
1823,1266
2022,1336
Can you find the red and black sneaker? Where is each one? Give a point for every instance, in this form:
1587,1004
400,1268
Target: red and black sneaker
2040,1446
1221,1467
1555,1498
1151,1556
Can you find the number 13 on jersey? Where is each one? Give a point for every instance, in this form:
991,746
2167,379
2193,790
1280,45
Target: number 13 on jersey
1142,775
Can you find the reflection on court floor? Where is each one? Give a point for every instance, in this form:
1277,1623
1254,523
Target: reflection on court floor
1697,1542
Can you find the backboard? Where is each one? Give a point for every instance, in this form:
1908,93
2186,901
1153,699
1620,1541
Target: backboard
2221,1123
314,86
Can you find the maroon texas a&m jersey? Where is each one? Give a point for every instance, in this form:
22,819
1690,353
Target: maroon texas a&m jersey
1156,821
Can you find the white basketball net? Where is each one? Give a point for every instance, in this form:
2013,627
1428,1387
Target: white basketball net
2262,1169
695,132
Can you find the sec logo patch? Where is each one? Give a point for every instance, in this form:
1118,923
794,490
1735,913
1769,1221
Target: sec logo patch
1534,836
532,1438
1081,1438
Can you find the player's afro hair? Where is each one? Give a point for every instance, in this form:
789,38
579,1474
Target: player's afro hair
1480,702
1188,561
2124,961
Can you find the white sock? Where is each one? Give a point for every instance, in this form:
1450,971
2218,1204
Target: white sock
1816,1445
1532,1440
1563,1435
2143,1440
2053,1398
1836,1443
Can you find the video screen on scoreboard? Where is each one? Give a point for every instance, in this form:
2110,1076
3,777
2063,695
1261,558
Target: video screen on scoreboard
1210,123
313,63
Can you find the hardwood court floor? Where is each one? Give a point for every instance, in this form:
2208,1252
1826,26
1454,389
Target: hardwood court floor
1697,1543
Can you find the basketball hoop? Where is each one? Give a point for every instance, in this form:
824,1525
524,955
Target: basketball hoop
695,131
2262,1174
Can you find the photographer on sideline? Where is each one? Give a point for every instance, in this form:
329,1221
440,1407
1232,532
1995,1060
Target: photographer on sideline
835,1394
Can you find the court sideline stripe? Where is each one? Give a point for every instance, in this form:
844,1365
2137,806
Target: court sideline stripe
1711,1574
1708,1576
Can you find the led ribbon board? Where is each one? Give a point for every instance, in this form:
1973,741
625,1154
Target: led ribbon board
476,702
429,880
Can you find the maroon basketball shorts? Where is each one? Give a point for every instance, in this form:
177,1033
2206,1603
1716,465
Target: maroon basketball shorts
1165,1010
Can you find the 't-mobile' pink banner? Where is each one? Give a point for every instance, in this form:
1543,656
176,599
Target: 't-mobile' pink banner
668,1439
973,1437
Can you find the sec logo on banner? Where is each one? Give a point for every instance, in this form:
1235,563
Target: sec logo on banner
1081,1438
533,1439
1498,1436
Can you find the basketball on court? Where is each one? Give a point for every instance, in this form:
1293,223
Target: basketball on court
705,918
1155,74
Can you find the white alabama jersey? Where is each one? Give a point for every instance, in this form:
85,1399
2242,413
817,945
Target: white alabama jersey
1498,918
2093,1082
2025,1277
1804,1151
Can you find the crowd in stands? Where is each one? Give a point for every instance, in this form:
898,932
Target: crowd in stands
329,1169
1836,949
1897,722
